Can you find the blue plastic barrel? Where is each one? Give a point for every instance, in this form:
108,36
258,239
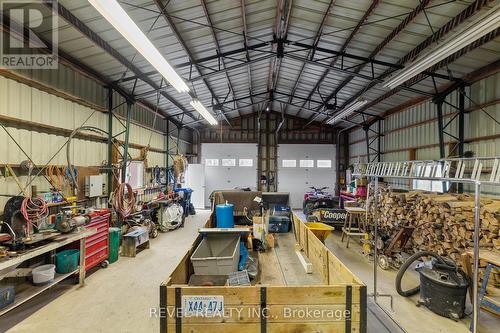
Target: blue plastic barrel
224,215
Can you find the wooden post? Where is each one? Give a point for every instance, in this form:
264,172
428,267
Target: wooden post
81,272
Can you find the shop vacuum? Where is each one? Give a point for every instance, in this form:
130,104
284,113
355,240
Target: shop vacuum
443,286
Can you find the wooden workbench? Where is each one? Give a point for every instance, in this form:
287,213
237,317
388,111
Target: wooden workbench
8,265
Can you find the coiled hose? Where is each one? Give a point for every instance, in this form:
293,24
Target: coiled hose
124,205
33,210
408,262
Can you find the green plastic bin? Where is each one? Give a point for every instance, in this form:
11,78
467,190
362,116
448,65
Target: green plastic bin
114,244
67,261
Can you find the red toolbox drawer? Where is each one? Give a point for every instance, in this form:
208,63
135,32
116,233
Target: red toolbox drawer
97,245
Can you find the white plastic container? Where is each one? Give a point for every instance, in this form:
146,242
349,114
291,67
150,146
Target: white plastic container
43,274
217,254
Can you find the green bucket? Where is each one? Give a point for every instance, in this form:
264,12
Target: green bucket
67,261
114,244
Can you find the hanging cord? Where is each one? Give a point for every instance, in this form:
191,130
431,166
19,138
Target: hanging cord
71,171
156,115
41,170
56,176
123,203
27,165
33,210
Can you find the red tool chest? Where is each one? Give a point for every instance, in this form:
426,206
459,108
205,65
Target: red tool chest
97,245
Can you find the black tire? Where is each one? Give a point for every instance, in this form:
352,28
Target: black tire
308,207
404,267
312,218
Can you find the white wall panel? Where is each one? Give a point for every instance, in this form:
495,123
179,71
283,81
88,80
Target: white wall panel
298,180
224,178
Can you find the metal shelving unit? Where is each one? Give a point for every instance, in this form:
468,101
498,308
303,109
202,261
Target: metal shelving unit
474,171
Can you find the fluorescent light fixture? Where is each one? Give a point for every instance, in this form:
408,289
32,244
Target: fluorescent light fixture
196,104
347,111
118,18
472,32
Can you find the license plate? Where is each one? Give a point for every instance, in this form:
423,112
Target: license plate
203,306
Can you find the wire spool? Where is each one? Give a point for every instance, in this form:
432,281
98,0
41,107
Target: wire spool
124,202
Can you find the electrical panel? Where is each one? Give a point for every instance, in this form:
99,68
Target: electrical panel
93,186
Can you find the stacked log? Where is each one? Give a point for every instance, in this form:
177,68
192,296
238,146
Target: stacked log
444,223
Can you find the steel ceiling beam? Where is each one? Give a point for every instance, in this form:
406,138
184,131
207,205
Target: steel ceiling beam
368,12
280,30
213,72
217,46
262,101
301,59
279,93
359,75
70,61
164,13
472,9
488,38
311,52
247,53
96,39
408,19
337,54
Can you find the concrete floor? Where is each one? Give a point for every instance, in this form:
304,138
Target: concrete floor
412,318
115,299
119,298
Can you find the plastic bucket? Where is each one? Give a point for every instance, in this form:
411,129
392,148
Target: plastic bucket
114,244
67,261
224,215
43,274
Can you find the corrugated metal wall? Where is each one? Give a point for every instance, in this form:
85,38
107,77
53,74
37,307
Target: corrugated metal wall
70,81
415,129
37,108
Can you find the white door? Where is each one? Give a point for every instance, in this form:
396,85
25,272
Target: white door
301,166
195,180
228,166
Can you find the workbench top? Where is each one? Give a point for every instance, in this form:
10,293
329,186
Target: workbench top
62,240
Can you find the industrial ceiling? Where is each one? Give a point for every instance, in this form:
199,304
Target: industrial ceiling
301,57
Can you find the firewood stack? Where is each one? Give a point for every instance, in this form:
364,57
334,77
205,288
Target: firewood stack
444,223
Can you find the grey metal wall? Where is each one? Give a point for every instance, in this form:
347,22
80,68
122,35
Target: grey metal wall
25,109
415,128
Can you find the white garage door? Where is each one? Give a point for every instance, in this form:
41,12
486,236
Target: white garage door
229,165
301,166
